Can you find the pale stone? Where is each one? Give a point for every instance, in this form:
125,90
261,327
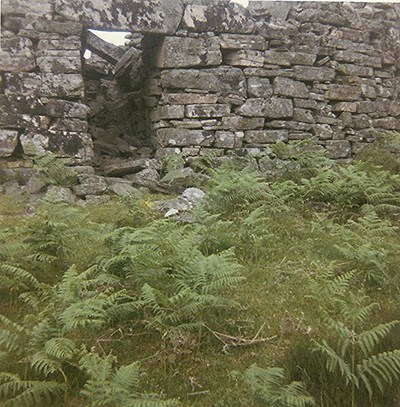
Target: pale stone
203,110
223,80
228,139
8,142
180,52
273,108
242,123
224,18
240,41
188,98
244,57
289,87
16,55
260,137
343,92
259,87
305,73
90,185
338,149
168,112
184,138
150,16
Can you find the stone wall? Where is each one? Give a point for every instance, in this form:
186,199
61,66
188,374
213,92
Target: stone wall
198,76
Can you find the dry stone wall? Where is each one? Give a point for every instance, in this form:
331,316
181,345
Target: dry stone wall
198,76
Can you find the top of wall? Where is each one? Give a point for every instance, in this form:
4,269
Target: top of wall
165,17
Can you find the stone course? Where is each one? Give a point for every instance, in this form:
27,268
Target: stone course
196,77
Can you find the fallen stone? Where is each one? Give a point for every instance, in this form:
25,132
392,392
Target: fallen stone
93,200
222,80
240,41
8,142
180,52
193,195
63,194
90,185
273,108
120,167
110,52
261,137
184,138
338,149
180,179
124,189
289,87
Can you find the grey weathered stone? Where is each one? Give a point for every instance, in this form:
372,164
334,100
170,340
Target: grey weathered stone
241,41
242,123
180,179
343,92
228,139
278,10
168,112
355,70
289,87
204,110
345,107
182,137
244,57
305,73
8,142
38,85
17,55
34,143
273,108
359,59
277,58
193,195
63,194
63,108
72,43
90,185
224,18
150,17
39,7
124,189
60,62
259,87
181,52
323,131
338,149
221,80
120,167
303,115
261,137
188,98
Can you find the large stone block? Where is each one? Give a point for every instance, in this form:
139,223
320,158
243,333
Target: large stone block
274,108
244,57
241,41
110,52
289,87
63,108
261,137
259,87
308,73
72,43
60,62
203,110
286,58
222,80
150,16
184,138
242,123
181,52
228,139
8,142
16,55
343,92
44,85
223,18
338,149
359,59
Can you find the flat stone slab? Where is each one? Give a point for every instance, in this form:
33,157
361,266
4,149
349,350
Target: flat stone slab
273,108
147,17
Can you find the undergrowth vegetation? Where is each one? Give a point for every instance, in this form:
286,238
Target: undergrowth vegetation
283,291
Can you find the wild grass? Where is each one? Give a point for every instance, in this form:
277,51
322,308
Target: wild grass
291,280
